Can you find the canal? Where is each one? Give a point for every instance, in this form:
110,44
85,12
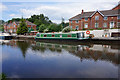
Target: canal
31,59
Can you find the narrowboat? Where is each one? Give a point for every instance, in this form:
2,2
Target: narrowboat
61,36
5,36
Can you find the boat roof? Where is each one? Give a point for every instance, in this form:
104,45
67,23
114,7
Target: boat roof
56,33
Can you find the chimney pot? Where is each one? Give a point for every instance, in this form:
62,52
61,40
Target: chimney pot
82,11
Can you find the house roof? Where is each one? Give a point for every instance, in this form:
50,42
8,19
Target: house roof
27,22
18,22
90,14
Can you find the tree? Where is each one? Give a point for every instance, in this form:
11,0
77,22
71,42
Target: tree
23,45
63,23
2,28
22,28
54,28
39,20
14,19
2,22
42,28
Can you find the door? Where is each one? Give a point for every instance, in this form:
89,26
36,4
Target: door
81,35
112,24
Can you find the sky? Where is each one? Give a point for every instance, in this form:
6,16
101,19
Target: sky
54,9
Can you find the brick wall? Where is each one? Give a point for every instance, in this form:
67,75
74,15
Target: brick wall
91,22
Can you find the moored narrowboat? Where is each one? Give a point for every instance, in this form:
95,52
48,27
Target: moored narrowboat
61,36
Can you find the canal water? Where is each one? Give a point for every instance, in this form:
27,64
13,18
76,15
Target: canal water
31,59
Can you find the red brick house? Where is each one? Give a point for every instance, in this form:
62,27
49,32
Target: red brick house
96,19
12,26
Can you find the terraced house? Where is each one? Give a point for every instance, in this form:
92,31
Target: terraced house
105,19
12,26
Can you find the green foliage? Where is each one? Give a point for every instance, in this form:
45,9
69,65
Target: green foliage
2,28
91,29
54,28
14,19
39,20
73,30
66,29
30,29
99,28
63,24
3,76
22,28
42,28
84,29
2,22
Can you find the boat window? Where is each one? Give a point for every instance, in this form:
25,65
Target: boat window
69,35
45,35
38,35
53,35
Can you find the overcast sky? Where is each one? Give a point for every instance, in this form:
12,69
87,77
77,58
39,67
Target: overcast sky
54,9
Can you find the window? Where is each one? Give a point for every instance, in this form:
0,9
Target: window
38,35
111,24
86,19
77,27
69,35
96,17
118,17
77,21
14,30
86,25
45,35
53,35
96,25
118,24
105,18
105,25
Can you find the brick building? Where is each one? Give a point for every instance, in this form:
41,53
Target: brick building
12,26
96,19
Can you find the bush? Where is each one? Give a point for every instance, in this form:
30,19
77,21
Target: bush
66,29
84,29
73,29
54,28
99,28
42,27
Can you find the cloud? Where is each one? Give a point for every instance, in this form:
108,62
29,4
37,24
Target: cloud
67,10
60,0
15,15
2,7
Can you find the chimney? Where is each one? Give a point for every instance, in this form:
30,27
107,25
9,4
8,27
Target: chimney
82,11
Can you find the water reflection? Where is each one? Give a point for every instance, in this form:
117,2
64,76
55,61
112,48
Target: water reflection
92,51
95,52
63,60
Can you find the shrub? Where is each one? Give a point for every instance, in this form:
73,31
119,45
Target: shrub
99,28
84,29
42,28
